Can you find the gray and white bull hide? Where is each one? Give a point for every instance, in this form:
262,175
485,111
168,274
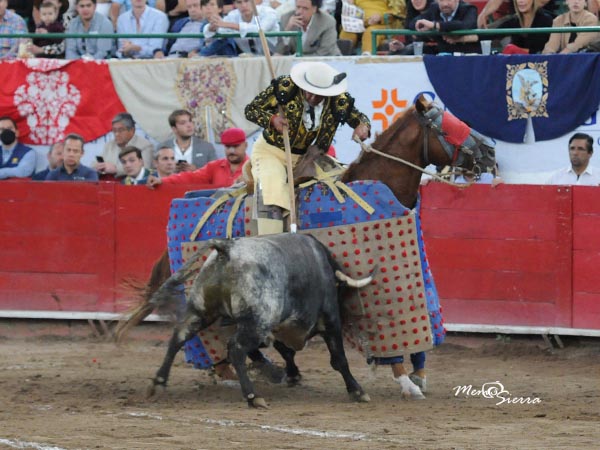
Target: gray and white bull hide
281,286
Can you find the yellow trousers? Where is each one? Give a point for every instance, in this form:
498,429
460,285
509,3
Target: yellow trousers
269,173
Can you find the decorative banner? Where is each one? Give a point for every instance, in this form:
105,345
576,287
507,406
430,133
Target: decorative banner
497,95
52,98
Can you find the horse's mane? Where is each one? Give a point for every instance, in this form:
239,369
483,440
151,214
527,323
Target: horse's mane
386,138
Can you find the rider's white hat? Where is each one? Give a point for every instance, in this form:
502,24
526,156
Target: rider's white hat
319,78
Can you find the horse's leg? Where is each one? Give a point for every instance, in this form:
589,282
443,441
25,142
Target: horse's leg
188,328
418,375
292,372
408,389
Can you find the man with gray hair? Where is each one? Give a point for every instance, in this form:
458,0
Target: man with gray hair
123,128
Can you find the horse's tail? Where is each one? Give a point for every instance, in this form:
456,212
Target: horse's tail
161,271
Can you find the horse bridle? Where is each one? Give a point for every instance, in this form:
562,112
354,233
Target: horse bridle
432,120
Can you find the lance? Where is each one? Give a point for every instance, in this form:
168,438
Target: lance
286,135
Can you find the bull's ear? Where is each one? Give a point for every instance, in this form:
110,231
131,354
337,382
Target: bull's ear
421,104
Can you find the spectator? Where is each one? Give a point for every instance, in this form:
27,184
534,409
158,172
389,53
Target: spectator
220,173
123,127
10,23
577,16
414,8
23,8
133,164
16,160
193,24
191,152
319,34
118,7
49,23
55,159
448,15
501,10
65,13
88,21
581,149
528,15
71,168
141,19
375,12
241,20
164,162
176,10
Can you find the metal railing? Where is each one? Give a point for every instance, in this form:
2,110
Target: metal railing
294,34
480,32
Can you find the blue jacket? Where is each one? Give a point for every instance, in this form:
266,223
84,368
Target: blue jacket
16,156
82,173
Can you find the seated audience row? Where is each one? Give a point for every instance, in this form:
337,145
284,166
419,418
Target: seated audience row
314,20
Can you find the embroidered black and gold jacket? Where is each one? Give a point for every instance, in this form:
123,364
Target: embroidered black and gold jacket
336,110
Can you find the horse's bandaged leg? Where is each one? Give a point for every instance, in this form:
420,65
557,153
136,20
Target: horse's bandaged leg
408,389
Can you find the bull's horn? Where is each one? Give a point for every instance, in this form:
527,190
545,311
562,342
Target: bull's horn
351,281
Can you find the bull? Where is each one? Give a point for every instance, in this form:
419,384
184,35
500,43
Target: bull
280,288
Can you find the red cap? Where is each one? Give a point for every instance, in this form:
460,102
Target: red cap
233,136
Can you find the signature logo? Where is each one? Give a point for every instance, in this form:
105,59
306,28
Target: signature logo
494,390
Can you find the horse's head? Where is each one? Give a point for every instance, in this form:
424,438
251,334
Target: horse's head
463,146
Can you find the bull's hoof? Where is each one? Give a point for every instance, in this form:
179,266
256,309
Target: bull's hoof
293,381
360,397
257,402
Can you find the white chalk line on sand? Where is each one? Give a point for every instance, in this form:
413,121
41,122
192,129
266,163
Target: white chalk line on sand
15,443
278,429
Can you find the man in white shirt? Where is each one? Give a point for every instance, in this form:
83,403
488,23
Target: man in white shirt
241,20
581,148
141,19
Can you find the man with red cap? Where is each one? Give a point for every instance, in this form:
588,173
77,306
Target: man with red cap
216,174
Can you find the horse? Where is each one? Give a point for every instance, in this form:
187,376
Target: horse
416,139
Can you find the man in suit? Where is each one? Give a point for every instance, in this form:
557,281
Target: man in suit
319,34
448,15
133,164
191,152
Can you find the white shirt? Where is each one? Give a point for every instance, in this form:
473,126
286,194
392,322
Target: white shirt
179,154
268,21
567,176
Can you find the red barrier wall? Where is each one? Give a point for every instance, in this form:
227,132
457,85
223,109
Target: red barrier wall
511,255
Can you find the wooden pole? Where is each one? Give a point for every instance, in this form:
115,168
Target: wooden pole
286,135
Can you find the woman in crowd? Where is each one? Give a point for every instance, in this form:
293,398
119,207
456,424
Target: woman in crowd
529,14
577,16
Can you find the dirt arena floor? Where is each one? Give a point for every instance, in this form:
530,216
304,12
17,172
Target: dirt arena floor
62,387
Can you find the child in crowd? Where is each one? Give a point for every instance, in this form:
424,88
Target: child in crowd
43,46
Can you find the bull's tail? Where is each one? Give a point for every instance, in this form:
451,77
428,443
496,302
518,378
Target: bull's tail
160,289
356,283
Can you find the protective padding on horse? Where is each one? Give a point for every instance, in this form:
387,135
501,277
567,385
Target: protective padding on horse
392,325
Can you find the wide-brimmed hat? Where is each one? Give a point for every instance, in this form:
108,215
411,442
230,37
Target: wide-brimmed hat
319,78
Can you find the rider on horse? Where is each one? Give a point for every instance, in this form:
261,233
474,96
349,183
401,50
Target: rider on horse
315,103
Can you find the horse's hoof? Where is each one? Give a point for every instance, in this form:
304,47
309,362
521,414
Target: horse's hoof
421,382
360,397
408,389
293,381
259,402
